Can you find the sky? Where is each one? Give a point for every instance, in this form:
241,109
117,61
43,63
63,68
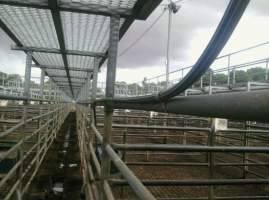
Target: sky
192,27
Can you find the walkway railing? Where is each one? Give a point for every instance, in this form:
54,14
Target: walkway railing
28,148
210,141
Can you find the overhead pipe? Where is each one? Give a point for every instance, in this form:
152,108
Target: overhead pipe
253,105
222,34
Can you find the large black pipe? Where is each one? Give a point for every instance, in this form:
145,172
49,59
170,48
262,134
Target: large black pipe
252,105
222,34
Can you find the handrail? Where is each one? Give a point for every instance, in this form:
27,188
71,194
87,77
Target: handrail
140,190
5,133
45,140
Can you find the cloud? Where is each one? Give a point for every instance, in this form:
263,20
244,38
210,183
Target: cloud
193,17
10,61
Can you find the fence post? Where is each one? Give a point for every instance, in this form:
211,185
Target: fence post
266,70
211,157
228,67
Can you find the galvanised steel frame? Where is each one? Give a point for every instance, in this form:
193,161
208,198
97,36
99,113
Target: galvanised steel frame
163,102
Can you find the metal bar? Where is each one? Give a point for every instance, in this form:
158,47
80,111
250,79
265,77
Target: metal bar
62,68
58,51
190,148
53,5
204,182
133,181
95,79
158,127
63,76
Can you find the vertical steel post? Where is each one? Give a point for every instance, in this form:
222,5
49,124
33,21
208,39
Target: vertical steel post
210,82
110,82
184,140
211,157
234,76
266,70
20,169
94,80
168,45
245,144
27,82
228,67
42,79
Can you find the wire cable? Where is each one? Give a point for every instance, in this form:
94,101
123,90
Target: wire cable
142,35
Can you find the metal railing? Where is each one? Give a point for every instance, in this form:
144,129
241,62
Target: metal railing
208,141
29,148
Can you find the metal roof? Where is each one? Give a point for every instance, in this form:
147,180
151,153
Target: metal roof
66,35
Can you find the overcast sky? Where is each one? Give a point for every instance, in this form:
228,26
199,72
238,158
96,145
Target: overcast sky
192,28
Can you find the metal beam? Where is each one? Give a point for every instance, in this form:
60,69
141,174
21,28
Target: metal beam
62,68
58,51
66,83
63,76
65,86
53,5
79,7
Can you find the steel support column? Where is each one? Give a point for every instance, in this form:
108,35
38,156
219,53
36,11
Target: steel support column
110,82
27,75
27,82
95,79
42,79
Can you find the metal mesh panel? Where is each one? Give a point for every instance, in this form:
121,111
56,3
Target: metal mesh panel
78,73
63,79
48,59
77,80
56,72
33,27
114,3
86,32
83,32
80,61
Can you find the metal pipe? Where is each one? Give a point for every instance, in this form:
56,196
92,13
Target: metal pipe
133,181
253,105
193,182
189,148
